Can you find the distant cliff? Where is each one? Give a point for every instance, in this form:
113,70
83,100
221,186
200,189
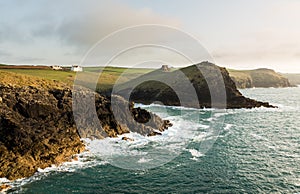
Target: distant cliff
264,78
294,78
152,88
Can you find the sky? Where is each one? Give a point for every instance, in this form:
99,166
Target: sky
238,34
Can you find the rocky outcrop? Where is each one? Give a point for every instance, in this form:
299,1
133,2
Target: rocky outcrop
263,78
165,68
194,86
37,127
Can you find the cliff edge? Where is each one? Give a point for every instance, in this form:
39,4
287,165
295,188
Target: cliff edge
261,78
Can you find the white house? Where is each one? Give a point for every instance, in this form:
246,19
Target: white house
76,68
56,67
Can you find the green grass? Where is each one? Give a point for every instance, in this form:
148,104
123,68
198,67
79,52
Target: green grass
109,75
18,79
62,76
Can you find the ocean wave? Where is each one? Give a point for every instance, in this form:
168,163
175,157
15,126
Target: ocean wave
143,151
155,150
227,126
83,160
173,107
195,154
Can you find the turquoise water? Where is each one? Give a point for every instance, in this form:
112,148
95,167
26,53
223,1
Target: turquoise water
255,151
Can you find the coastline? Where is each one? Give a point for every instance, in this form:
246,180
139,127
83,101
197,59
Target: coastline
39,128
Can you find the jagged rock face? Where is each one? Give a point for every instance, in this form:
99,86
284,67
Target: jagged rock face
215,84
36,130
245,82
37,127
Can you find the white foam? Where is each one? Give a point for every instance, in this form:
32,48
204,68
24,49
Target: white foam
84,160
200,137
227,126
4,180
155,149
172,141
143,160
195,153
209,119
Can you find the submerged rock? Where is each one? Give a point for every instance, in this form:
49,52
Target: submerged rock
37,127
154,133
4,187
127,139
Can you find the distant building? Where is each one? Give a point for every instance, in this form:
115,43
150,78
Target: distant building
56,67
76,68
165,68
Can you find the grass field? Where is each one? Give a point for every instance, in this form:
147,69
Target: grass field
108,76
19,79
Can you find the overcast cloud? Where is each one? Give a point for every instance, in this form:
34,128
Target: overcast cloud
238,34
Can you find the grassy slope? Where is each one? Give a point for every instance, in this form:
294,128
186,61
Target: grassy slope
63,76
11,78
108,77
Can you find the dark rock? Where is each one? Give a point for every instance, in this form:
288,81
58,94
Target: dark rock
154,133
38,129
194,86
165,68
127,139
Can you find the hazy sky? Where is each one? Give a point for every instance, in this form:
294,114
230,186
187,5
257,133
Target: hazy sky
240,34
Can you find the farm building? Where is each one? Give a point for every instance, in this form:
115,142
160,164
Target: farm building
76,68
56,67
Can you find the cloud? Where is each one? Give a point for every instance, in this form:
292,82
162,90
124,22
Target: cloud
4,53
66,26
81,23
99,20
30,60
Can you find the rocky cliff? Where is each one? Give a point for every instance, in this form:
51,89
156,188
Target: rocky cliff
37,127
264,78
294,78
171,88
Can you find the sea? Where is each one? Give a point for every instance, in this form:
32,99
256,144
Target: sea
206,151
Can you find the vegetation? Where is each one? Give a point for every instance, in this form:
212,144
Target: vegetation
62,76
11,78
109,75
